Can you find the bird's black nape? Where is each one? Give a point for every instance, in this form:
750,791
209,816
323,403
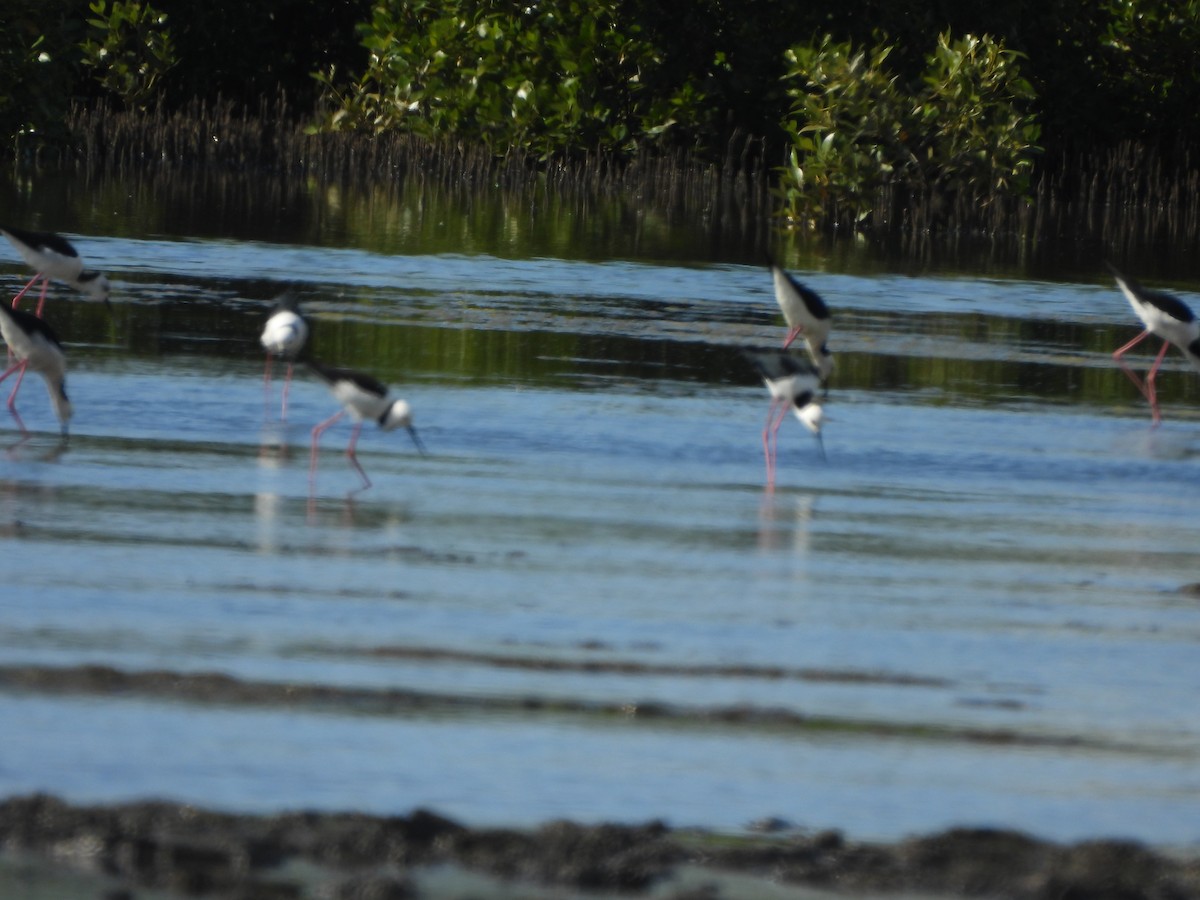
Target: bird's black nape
287,300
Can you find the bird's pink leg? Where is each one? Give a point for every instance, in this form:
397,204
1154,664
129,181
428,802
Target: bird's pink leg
792,335
1151,390
766,439
42,299
317,431
783,408
21,293
1120,352
12,398
350,448
771,445
16,299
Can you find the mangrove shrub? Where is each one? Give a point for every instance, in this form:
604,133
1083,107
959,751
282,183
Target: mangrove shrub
129,47
547,77
38,60
960,131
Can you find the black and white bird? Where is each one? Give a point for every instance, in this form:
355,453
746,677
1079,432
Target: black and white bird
283,336
806,314
793,383
52,256
1164,316
35,347
364,398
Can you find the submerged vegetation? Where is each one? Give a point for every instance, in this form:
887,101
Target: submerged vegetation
1003,118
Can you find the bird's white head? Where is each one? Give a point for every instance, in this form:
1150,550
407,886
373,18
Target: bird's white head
812,416
399,415
94,284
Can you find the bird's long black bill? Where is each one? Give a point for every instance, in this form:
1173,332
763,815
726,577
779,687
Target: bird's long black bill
417,440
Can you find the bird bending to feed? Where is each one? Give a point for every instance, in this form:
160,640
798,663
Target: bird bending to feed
363,397
806,314
283,335
793,382
52,256
1164,316
36,347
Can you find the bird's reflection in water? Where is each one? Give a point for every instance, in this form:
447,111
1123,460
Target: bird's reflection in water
785,522
267,507
342,512
22,448
273,447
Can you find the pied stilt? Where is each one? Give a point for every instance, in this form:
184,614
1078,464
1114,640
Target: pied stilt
52,256
363,397
36,347
1165,316
806,314
793,383
284,336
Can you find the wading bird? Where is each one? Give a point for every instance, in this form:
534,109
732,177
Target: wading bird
36,347
283,336
1165,316
363,397
52,256
806,314
793,383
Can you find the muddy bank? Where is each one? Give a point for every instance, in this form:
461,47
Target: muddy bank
215,688
52,848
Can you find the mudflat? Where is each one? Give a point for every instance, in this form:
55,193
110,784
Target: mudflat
51,848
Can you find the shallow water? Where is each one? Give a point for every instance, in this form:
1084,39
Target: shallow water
591,608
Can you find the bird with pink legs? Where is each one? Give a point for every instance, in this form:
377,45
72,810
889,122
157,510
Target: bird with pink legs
36,348
806,315
1165,316
52,256
363,397
283,336
793,383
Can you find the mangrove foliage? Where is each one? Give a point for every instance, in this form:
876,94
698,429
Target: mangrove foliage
861,115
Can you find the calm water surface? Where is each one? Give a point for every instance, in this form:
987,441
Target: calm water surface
968,614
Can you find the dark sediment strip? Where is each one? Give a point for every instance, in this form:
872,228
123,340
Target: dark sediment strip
627,667
218,689
188,851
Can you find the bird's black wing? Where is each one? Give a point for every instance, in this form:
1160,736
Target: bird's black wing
331,375
287,301
1168,303
43,240
811,298
31,324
